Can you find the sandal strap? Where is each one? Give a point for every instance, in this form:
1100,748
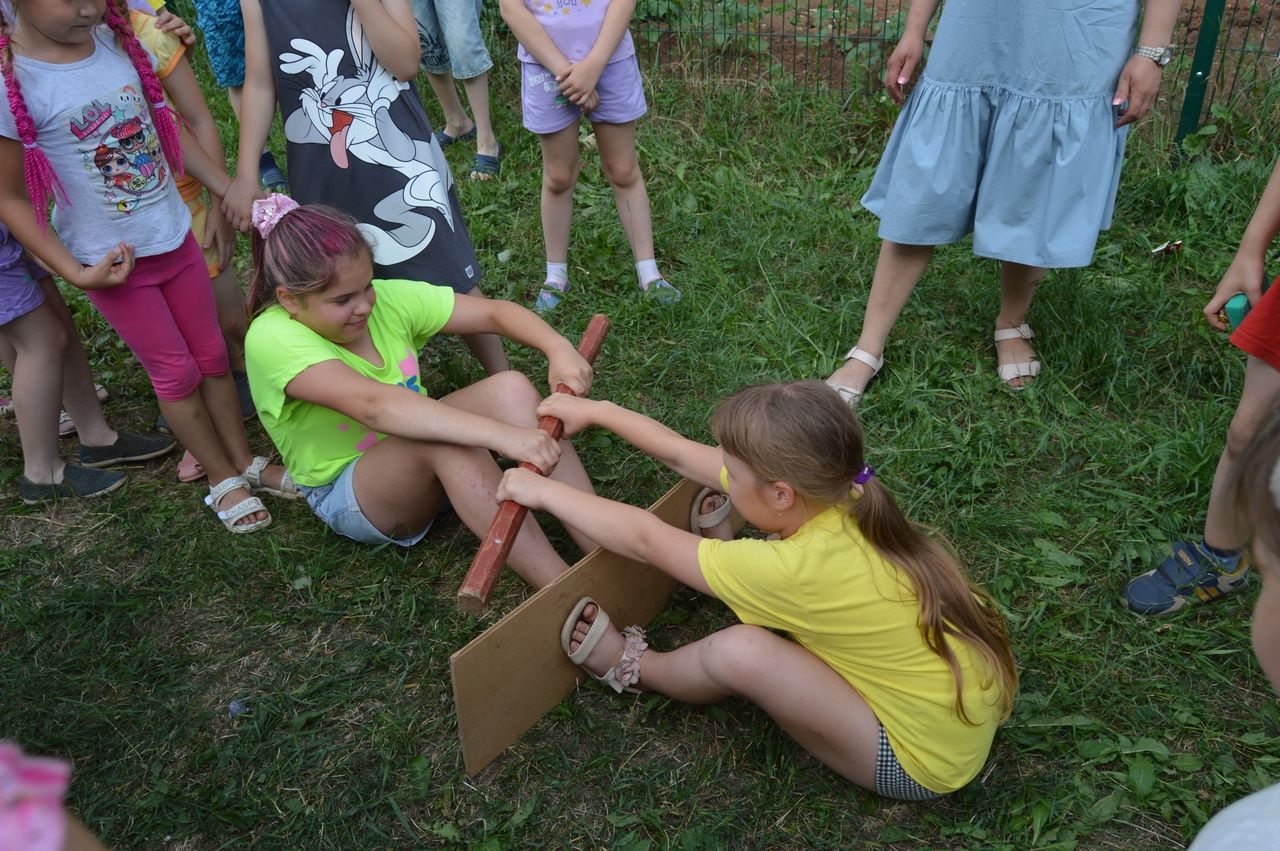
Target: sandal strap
712,518
222,488
253,473
1022,369
626,672
599,627
248,505
866,357
1022,332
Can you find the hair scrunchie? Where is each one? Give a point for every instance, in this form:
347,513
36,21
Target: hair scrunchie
267,212
864,475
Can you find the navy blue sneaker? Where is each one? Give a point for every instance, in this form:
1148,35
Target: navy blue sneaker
272,177
129,447
77,483
1190,574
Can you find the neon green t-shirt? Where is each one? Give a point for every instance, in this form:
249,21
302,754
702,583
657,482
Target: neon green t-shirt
315,442
830,590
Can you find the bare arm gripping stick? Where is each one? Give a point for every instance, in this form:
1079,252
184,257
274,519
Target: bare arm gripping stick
493,552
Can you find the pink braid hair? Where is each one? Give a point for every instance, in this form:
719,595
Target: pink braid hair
166,127
42,181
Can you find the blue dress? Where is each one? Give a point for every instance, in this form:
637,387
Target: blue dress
1010,132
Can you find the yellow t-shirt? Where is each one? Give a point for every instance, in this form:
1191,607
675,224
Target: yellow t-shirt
831,591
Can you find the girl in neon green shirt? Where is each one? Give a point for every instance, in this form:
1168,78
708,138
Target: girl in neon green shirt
896,670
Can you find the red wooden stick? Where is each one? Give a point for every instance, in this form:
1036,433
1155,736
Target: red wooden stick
493,552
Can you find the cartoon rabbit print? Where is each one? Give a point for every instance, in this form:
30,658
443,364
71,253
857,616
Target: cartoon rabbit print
352,116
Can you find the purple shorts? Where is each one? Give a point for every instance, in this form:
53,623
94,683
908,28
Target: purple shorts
20,291
547,111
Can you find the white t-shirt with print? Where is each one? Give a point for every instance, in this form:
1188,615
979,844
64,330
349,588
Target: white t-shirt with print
93,123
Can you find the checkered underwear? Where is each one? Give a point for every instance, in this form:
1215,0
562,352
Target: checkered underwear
892,781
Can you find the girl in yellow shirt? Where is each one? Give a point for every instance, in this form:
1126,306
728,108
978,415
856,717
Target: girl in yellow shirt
895,670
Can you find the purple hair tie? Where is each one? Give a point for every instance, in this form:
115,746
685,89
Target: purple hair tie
864,475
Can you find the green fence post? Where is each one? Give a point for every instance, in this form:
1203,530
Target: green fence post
1201,63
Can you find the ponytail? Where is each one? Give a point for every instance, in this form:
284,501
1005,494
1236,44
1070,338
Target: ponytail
42,181
166,127
949,603
801,433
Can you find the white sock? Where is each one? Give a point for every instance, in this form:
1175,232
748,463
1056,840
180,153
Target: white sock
558,272
647,272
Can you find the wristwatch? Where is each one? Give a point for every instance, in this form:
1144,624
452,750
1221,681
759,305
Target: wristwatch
1158,55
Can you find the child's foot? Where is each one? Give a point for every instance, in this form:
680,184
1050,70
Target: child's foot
592,643
273,179
66,425
264,477
851,379
660,291
451,134
189,469
1193,572
551,294
487,164
238,509
74,483
710,516
129,447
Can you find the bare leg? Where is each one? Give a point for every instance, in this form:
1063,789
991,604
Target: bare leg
808,699
1017,289
621,165
456,122
233,96
477,89
400,484
78,394
38,342
232,319
898,270
487,348
560,167
1224,527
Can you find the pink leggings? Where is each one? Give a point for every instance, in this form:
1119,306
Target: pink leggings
165,314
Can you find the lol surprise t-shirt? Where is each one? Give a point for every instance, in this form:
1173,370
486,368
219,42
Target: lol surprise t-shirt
316,442
93,123
574,26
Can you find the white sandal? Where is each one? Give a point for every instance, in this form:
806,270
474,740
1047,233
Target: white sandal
849,395
1022,369
699,522
623,675
253,475
248,505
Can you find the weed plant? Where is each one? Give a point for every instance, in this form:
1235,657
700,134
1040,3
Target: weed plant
128,624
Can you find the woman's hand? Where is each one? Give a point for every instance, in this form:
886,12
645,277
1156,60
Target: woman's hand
1244,275
523,487
111,271
902,64
1139,84
575,413
531,445
571,370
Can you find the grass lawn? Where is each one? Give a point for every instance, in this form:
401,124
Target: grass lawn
128,624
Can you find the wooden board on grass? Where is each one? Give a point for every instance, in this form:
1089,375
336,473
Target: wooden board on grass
516,672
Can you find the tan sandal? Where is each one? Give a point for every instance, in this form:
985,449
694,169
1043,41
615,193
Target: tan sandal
1021,369
623,675
849,395
243,508
288,488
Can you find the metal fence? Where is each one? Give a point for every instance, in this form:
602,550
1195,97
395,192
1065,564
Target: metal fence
1225,49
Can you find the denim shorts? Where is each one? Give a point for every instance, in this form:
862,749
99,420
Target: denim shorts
449,31
547,111
336,504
